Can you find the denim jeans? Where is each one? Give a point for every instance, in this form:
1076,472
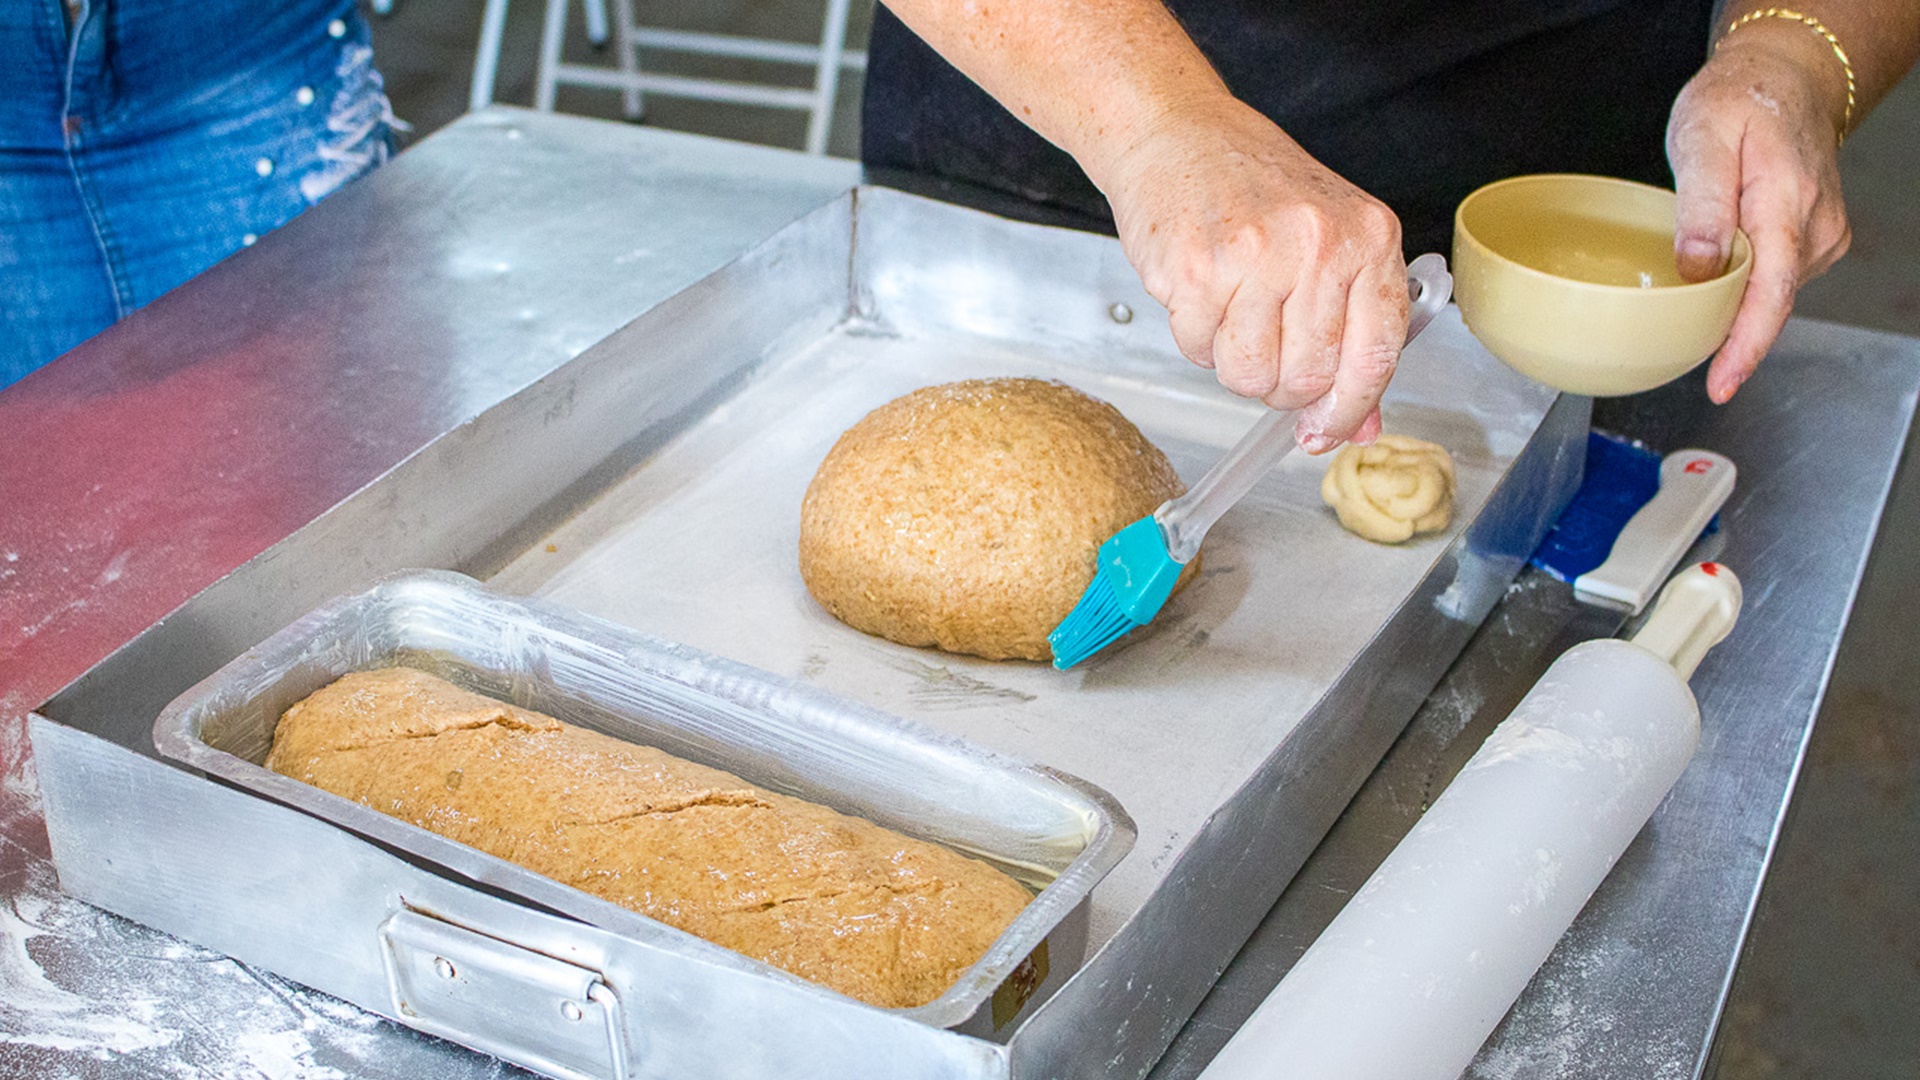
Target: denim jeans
141,141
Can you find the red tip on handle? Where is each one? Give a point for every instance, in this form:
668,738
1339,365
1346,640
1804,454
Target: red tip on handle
1710,569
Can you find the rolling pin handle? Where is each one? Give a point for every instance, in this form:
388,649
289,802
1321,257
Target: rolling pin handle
1695,612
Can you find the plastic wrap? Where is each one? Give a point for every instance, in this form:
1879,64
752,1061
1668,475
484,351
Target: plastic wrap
1053,832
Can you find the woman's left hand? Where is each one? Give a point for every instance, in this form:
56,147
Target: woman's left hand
1752,141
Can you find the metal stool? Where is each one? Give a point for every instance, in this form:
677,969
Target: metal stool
827,58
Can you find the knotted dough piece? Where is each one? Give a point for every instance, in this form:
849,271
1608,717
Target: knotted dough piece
1391,490
969,516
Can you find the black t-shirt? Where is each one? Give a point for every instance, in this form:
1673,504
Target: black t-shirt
1416,102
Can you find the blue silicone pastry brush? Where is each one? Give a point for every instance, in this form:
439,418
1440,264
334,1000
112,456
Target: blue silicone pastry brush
1138,565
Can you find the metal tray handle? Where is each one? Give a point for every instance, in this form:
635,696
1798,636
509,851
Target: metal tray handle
517,1004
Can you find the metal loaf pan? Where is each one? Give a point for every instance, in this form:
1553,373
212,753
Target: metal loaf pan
1055,833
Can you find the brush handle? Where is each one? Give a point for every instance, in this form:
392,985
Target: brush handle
1184,521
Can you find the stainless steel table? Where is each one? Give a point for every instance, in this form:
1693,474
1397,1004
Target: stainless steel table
204,430
1636,988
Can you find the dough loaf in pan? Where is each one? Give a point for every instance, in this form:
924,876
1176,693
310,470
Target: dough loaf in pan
872,913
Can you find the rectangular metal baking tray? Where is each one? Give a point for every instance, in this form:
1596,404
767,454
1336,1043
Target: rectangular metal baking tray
698,542
654,481
1056,834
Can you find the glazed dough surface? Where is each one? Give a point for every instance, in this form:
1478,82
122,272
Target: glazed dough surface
872,913
1391,490
968,516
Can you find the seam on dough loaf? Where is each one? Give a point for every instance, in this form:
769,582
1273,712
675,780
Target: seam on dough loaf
668,809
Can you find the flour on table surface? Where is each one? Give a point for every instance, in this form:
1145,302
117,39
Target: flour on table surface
86,994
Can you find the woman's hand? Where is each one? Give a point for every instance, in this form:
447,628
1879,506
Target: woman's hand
1753,140
1282,277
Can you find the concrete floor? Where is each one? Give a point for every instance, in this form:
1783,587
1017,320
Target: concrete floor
1830,985
425,50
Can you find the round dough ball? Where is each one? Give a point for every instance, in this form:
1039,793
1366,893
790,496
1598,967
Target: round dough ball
968,516
1391,490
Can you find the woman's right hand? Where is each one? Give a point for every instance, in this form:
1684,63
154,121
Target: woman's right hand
1281,276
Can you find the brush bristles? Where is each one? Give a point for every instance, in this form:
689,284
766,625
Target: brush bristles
1096,622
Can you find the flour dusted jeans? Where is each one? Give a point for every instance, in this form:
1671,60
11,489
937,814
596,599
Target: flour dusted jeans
141,141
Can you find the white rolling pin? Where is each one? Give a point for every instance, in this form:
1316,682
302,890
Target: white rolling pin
1418,968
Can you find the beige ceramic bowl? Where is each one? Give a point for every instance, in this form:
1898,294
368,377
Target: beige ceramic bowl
1571,280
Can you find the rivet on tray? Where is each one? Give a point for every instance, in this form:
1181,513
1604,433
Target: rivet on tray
571,1011
1120,313
443,966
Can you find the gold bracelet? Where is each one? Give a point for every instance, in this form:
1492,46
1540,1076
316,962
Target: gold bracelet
1817,27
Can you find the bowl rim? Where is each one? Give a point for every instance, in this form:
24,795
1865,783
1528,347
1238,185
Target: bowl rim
1740,263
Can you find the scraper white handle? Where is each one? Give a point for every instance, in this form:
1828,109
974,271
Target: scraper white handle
1184,521
1694,484
1414,973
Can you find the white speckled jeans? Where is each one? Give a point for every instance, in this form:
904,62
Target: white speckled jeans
141,141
